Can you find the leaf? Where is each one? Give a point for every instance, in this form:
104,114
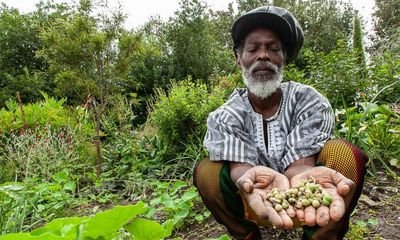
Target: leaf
190,195
178,185
27,236
70,185
62,227
107,223
395,162
11,189
143,229
373,221
61,177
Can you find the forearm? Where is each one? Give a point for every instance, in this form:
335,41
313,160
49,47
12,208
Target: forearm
299,166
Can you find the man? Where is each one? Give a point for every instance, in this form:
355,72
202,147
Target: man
272,135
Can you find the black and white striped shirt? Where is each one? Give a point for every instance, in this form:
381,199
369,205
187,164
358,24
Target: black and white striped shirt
302,125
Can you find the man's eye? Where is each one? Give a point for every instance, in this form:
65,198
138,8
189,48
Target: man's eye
275,49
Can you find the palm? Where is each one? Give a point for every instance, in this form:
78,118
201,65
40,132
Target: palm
255,184
335,184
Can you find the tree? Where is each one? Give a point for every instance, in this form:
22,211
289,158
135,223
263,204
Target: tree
20,69
358,46
89,56
189,41
386,19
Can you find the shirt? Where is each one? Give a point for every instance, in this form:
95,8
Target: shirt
300,128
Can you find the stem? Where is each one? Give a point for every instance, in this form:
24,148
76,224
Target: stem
24,126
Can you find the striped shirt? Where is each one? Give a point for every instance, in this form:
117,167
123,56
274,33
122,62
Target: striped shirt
302,125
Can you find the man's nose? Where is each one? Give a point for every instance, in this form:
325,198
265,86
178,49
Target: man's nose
263,55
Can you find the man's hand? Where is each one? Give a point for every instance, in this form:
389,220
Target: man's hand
254,184
335,184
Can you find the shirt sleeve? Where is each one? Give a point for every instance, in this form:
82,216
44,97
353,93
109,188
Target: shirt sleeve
313,126
226,140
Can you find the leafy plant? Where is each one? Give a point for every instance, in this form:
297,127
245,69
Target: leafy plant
40,153
180,114
361,230
26,205
177,201
373,128
103,225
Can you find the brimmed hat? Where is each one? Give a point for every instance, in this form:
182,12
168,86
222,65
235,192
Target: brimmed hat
279,20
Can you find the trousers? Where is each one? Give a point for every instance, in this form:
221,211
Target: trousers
220,195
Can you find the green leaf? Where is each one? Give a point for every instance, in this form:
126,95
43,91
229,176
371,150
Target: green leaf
61,177
178,185
190,195
63,227
27,236
70,185
143,229
107,223
11,189
373,221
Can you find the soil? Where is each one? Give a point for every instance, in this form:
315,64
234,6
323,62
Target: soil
377,216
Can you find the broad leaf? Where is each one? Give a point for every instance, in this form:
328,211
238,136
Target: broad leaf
107,223
143,229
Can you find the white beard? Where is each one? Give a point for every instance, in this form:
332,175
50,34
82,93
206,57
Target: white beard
262,86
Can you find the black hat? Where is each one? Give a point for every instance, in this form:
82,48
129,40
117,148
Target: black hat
276,18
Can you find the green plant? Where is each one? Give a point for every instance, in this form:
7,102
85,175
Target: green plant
375,129
361,229
180,114
103,225
40,153
26,205
49,111
177,202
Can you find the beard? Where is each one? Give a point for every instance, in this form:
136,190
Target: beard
262,85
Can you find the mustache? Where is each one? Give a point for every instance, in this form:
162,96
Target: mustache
264,65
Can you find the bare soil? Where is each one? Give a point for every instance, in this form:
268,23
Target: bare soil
377,216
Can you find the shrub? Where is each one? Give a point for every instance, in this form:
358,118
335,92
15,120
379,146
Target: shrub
375,129
39,153
180,114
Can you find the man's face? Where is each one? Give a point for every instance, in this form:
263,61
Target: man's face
261,61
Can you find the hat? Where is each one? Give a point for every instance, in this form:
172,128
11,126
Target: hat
277,19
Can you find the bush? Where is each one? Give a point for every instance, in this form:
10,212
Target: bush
375,129
49,111
39,153
180,114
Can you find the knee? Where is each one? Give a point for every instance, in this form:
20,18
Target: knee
206,179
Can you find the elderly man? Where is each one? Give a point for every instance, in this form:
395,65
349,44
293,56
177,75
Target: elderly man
274,135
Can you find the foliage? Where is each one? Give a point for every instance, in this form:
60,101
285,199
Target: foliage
20,70
322,28
24,206
386,19
358,45
333,74
87,55
360,229
189,40
180,115
103,225
177,205
375,129
385,77
48,111
40,153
